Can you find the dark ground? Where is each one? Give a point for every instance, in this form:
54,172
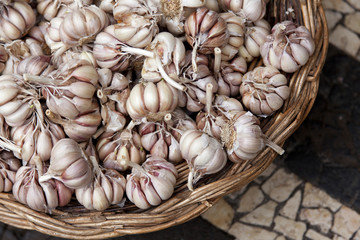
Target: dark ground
325,151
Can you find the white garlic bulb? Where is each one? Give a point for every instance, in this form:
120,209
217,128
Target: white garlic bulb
288,47
251,10
264,90
203,153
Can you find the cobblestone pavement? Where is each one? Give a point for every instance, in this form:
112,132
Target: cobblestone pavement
313,192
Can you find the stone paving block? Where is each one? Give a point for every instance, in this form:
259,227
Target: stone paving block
354,3
346,222
220,215
313,235
346,40
337,237
357,235
317,217
267,173
262,215
352,21
338,5
291,207
252,198
281,184
315,197
280,238
246,232
332,18
290,228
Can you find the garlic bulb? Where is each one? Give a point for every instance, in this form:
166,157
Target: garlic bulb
50,9
236,28
203,153
114,147
16,101
69,165
264,90
107,188
146,8
162,139
114,54
151,183
195,82
288,47
83,126
255,37
35,65
7,173
251,10
169,52
229,74
151,100
41,196
16,18
3,58
17,50
243,138
205,30
174,13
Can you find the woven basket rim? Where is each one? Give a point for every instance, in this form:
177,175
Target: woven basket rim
75,223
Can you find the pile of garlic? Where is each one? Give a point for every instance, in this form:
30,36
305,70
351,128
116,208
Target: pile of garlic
101,100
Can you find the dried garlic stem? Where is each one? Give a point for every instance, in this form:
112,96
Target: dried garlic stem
9,145
137,51
166,76
54,117
193,57
209,97
190,181
273,146
38,79
100,94
217,61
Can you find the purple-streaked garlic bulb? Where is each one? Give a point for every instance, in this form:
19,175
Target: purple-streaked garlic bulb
78,26
69,90
68,164
264,90
36,65
41,196
107,188
4,56
113,147
204,31
8,169
147,8
16,18
229,74
203,153
175,12
216,113
83,126
244,139
255,37
16,101
195,82
169,56
148,185
50,9
17,50
288,47
36,138
134,30
251,10
151,100
112,53
236,28
161,139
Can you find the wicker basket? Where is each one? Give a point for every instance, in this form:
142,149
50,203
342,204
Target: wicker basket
75,222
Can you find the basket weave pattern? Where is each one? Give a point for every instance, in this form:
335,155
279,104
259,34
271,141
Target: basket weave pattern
75,222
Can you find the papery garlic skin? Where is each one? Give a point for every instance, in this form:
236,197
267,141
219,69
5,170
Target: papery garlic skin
203,153
3,58
255,37
251,10
288,47
17,50
68,164
107,188
151,100
264,90
16,19
7,173
151,183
